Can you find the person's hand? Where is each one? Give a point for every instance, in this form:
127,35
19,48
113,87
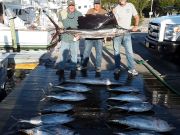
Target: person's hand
76,37
135,28
60,30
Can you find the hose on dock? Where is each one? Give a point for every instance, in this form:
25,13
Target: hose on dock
157,76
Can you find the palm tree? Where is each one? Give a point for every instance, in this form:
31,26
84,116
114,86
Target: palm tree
140,5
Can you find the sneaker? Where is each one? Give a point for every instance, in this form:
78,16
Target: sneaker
133,72
116,71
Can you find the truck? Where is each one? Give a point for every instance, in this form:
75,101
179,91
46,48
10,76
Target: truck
164,34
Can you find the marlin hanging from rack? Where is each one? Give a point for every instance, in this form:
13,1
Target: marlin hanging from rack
90,33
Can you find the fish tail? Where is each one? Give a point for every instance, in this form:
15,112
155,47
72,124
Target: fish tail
110,107
14,125
43,99
14,118
59,86
115,121
44,95
50,85
118,133
109,98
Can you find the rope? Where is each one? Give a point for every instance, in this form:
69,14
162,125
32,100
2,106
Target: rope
142,62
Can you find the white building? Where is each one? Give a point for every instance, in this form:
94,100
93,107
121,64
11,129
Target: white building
81,5
84,5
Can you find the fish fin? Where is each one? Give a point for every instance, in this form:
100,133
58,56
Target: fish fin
109,88
113,121
145,102
40,113
50,85
43,99
115,133
129,128
59,86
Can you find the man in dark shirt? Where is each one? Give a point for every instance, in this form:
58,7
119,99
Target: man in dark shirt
97,43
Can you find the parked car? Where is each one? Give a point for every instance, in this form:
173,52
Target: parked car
164,34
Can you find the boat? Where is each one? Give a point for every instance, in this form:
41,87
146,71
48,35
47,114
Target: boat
32,29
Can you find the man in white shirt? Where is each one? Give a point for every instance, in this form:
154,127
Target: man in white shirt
124,12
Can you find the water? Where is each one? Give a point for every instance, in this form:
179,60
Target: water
14,78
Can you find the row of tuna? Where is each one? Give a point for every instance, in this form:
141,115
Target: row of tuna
53,117
137,102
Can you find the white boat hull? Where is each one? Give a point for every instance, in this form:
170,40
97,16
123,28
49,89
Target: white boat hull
27,38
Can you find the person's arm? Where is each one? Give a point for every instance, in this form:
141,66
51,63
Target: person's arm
115,14
136,18
136,23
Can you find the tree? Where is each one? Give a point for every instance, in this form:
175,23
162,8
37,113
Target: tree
109,4
177,5
166,3
167,6
140,5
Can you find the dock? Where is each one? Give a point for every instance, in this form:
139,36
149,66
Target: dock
3,69
91,115
24,102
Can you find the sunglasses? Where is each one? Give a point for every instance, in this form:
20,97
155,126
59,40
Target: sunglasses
71,5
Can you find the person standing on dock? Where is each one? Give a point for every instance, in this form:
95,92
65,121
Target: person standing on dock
97,43
68,19
124,12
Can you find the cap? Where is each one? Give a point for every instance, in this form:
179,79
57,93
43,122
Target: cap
97,1
70,2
